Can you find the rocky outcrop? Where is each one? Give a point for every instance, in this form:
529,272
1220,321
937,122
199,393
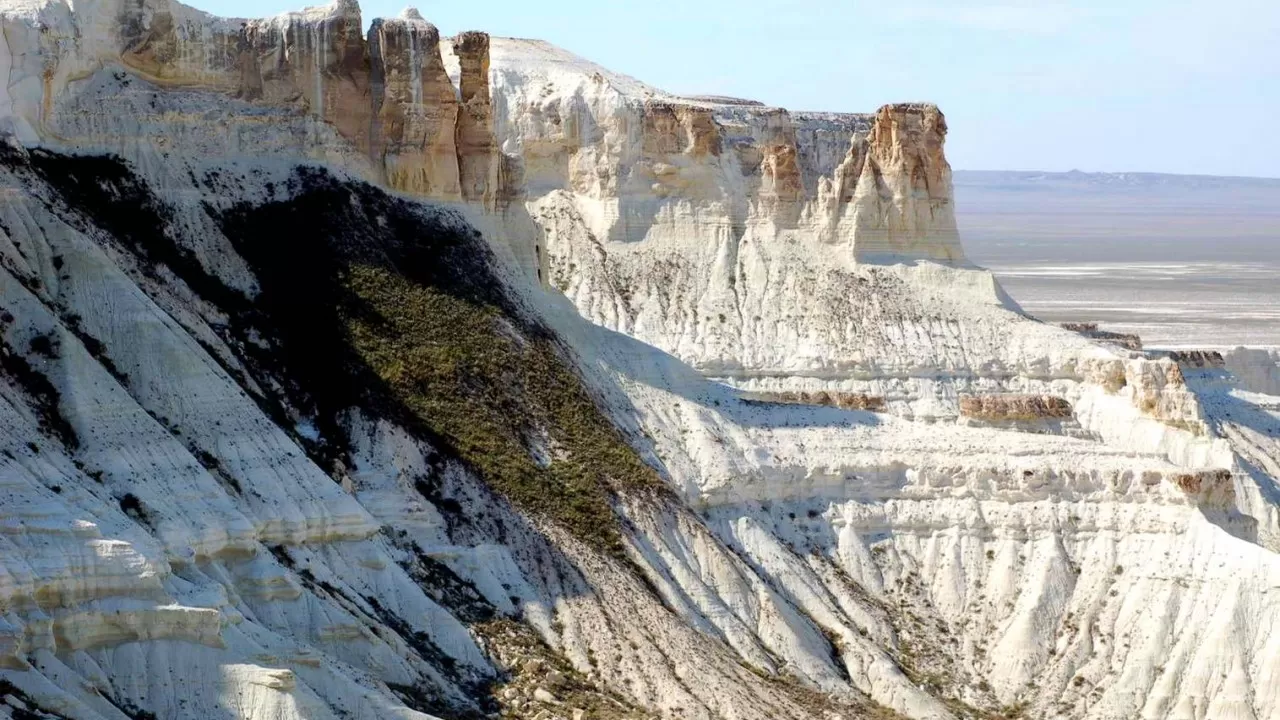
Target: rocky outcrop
843,401
902,187
1197,359
478,160
1205,481
317,57
1159,389
709,227
415,108
1127,341
386,94
763,171
1014,407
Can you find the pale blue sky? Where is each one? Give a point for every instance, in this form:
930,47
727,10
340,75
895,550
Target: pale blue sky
1183,86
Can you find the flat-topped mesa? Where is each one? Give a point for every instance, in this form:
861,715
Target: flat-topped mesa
726,232
639,161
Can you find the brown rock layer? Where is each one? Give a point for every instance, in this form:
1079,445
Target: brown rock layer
671,129
1159,389
826,398
891,193
909,138
1198,358
904,187
782,182
341,70
478,162
388,94
1209,487
1014,407
415,109
321,62
1090,330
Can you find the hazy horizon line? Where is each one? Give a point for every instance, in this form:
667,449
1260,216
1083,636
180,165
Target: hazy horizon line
1078,171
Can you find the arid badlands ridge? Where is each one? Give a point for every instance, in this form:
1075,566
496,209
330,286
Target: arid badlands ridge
392,376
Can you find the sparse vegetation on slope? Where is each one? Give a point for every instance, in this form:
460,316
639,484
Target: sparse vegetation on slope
539,682
506,403
399,311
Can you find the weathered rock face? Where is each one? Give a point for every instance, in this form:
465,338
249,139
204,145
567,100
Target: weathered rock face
844,401
477,151
415,108
736,236
1198,358
903,159
317,57
276,443
643,164
1090,330
387,96
1014,407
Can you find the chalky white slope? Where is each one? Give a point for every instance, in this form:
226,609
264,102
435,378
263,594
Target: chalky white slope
1019,561
889,484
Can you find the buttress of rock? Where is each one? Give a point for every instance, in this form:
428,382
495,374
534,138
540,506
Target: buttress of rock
478,164
897,184
339,89
415,109
782,190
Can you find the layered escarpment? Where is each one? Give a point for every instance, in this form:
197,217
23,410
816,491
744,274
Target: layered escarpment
640,164
386,94
707,227
382,375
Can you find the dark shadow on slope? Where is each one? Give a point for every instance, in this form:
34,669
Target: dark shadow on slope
410,307
370,301
1262,465
1233,522
367,300
22,706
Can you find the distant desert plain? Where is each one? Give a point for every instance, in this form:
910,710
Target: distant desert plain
1180,260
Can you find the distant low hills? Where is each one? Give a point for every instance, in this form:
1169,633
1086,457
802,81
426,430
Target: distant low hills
1077,180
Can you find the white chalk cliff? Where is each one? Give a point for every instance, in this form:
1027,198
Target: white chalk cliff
386,375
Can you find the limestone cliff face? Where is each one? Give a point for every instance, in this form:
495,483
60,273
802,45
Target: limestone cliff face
871,187
902,192
387,96
268,445
724,231
316,57
415,108
521,120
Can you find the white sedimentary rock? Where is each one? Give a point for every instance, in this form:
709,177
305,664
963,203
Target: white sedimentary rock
1028,518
